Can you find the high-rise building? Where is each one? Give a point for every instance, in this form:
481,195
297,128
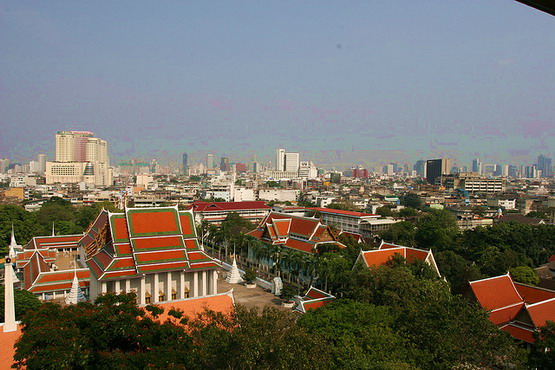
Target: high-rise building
80,157
292,162
437,167
545,165
41,158
224,164
420,168
210,161
185,164
280,160
477,165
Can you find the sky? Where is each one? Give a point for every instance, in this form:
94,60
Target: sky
344,83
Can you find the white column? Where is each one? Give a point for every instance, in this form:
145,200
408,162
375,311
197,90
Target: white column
214,282
204,283
9,300
195,284
181,284
103,287
168,286
117,287
127,285
142,291
156,289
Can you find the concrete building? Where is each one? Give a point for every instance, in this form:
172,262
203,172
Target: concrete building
435,168
80,157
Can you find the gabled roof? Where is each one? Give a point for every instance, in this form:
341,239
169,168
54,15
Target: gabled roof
541,312
54,242
300,233
496,292
313,299
533,294
342,212
143,240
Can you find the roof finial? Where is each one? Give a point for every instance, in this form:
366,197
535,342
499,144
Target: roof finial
53,232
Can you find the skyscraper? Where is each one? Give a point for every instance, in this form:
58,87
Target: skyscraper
477,166
80,157
420,168
185,164
437,167
280,160
291,162
41,158
545,165
210,161
224,164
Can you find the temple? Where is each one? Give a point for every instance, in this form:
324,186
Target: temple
386,251
153,252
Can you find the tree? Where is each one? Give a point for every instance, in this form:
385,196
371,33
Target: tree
438,230
401,233
385,211
112,332
411,200
543,350
344,205
24,302
360,335
457,270
525,275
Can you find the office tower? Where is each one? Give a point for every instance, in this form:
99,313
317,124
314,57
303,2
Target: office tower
420,168
477,165
4,164
513,171
437,167
280,160
210,161
388,169
41,158
545,165
224,164
292,162
80,157
498,170
185,164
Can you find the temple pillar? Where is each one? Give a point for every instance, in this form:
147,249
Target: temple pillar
204,283
142,291
181,284
156,289
103,287
214,282
127,285
168,286
117,287
195,284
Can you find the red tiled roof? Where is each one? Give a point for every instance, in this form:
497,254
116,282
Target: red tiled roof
412,254
7,350
157,243
496,292
380,257
300,245
552,258
120,228
56,241
199,206
532,294
505,314
315,304
541,312
519,332
160,256
149,221
342,212
315,294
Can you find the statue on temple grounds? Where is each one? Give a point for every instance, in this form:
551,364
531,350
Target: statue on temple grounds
277,286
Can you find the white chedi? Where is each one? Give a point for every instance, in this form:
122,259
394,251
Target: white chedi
234,277
75,294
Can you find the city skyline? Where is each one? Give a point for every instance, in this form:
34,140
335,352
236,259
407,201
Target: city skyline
341,85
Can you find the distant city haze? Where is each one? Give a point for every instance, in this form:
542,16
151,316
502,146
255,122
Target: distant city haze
342,83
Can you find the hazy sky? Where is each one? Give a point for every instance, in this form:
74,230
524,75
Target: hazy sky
339,81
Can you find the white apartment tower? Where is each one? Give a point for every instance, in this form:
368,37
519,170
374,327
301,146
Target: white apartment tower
280,159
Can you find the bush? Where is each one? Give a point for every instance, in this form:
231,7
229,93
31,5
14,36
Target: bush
249,276
288,292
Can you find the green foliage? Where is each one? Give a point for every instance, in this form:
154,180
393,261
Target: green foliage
24,302
411,200
385,211
401,233
408,212
112,332
525,275
457,270
437,230
360,335
273,184
288,292
540,358
249,276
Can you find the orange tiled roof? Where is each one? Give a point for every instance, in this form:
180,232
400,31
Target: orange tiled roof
497,292
532,294
541,312
7,350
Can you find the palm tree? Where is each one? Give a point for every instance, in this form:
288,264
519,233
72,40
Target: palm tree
286,262
296,263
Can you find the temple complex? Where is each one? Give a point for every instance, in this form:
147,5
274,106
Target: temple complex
153,252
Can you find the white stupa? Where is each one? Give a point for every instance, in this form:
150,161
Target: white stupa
12,253
234,277
75,294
